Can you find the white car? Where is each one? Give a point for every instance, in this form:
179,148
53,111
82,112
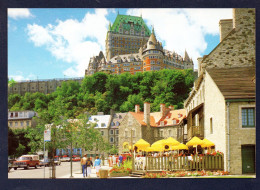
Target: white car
65,159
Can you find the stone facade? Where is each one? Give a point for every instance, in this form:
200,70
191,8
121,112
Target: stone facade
239,136
221,105
160,125
237,49
43,86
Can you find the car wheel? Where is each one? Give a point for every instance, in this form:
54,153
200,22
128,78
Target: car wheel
15,168
27,167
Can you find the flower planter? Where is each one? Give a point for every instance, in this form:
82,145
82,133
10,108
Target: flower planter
118,174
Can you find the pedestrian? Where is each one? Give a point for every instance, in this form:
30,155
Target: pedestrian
88,165
114,160
120,160
97,165
83,164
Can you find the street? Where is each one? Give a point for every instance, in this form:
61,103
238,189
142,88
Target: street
61,170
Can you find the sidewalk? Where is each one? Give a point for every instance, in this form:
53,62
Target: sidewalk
79,175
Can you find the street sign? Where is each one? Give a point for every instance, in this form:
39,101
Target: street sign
47,135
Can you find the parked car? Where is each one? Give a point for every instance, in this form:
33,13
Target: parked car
11,165
75,158
65,159
27,161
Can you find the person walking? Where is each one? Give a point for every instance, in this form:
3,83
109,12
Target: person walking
114,160
97,165
88,165
120,160
83,164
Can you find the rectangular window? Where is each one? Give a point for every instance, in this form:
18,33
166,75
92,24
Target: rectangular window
161,133
111,132
21,123
102,133
116,139
16,124
11,124
111,139
170,133
27,123
117,132
16,114
248,117
211,125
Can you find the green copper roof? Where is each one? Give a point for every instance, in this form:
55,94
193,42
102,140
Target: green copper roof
126,20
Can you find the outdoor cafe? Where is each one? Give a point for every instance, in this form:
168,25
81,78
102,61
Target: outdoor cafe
171,155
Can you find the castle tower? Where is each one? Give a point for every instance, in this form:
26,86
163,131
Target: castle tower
126,35
152,54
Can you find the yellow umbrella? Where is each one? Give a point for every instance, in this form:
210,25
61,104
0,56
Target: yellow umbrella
171,142
142,144
181,147
195,141
157,147
149,149
207,143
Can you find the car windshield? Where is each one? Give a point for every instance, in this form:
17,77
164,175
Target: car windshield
23,158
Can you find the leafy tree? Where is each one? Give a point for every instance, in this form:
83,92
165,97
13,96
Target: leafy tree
13,142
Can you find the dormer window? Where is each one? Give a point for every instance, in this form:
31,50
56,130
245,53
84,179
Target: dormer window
117,123
179,115
119,60
103,124
112,124
120,30
162,123
132,32
174,122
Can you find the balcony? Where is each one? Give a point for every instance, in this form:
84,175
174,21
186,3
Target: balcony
197,131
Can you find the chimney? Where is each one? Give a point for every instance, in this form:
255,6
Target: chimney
162,110
244,18
225,26
137,108
199,65
147,113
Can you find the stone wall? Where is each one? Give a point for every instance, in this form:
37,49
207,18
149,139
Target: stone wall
238,135
238,48
43,86
127,126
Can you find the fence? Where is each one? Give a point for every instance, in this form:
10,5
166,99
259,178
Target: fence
174,163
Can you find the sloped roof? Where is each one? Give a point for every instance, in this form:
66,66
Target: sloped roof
100,119
125,20
155,117
234,83
117,117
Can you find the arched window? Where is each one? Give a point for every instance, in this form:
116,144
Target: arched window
117,123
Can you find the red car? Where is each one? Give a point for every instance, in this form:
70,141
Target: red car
27,161
75,158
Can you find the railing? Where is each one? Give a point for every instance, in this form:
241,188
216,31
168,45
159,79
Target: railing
175,163
197,131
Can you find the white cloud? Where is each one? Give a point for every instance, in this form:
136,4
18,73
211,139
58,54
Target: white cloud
73,41
20,76
16,13
182,29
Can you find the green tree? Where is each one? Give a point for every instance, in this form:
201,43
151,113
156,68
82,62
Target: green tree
13,142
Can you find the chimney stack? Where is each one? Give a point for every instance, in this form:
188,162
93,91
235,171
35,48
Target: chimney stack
147,113
137,108
162,110
225,26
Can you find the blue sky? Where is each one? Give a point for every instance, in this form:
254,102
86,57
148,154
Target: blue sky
57,43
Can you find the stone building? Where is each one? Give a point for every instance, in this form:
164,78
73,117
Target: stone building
21,119
131,47
221,105
113,136
44,86
150,126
